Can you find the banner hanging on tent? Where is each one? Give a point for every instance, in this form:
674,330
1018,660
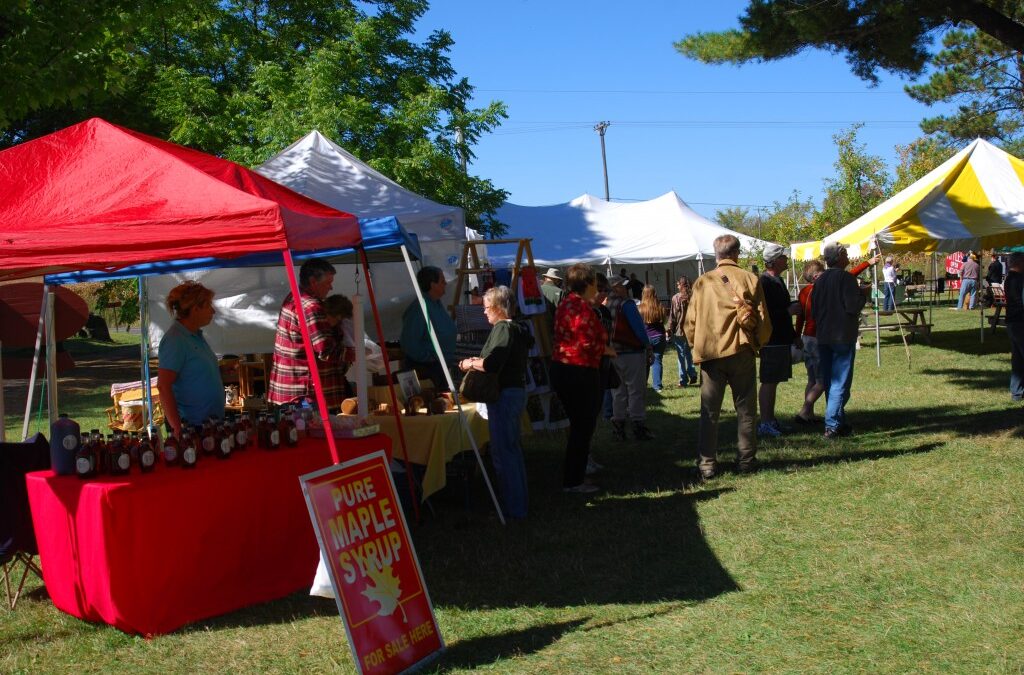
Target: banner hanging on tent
378,584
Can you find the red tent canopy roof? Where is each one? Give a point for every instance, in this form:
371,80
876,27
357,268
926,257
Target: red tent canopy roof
99,196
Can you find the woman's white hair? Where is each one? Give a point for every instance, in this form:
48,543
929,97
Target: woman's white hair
501,298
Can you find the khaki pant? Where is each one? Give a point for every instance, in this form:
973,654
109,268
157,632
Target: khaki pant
739,374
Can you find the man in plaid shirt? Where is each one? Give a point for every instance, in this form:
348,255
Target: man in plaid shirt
290,379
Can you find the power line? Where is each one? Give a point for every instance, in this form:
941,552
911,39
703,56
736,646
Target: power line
529,127
693,92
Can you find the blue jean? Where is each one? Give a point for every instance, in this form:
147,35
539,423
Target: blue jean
889,289
659,352
1015,330
685,358
967,286
837,372
504,418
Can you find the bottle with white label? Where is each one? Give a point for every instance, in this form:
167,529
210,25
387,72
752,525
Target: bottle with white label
189,451
147,455
85,459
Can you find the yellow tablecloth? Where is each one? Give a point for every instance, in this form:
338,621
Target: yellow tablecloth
433,440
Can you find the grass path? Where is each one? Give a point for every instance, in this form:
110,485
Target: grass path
899,549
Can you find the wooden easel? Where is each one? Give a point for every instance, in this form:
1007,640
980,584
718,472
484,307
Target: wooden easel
469,263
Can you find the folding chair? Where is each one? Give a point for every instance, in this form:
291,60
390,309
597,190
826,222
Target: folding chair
17,538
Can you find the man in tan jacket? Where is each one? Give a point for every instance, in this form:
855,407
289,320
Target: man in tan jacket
726,324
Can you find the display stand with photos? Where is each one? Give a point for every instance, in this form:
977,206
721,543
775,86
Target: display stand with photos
542,406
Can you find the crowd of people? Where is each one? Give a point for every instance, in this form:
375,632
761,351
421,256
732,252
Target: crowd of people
608,337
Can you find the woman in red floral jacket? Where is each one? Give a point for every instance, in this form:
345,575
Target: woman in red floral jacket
580,341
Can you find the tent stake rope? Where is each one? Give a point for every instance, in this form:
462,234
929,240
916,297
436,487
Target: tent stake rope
451,385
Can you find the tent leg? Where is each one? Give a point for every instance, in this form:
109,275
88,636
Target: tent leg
314,372
391,384
451,385
51,357
147,388
35,368
878,329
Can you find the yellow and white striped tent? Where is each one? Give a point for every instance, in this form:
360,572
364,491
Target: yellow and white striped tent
974,200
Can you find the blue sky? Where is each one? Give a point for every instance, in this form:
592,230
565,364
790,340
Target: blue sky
717,135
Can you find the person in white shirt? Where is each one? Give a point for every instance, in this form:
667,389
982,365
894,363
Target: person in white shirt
889,284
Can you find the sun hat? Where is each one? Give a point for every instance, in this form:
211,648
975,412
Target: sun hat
773,252
552,273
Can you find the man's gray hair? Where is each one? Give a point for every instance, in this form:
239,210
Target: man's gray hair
501,298
832,252
727,246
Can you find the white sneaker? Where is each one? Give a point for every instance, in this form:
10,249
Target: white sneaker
582,488
593,467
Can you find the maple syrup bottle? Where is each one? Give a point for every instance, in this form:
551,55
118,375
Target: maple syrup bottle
225,439
85,459
300,422
189,451
208,437
121,459
289,432
132,444
147,455
243,432
171,451
273,434
99,452
155,440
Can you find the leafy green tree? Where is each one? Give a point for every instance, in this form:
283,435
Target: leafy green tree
860,183
891,35
790,221
917,158
983,77
245,78
120,299
740,219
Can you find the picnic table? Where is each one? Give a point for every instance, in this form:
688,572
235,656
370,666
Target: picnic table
912,320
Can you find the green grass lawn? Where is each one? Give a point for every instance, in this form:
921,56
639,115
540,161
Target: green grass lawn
899,549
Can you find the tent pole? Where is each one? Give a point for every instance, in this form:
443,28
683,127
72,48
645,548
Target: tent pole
878,329
314,371
391,384
451,385
51,356
35,368
147,387
3,425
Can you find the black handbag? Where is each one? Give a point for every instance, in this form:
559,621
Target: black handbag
608,374
479,387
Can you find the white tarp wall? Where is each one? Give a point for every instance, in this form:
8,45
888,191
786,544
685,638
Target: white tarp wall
247,300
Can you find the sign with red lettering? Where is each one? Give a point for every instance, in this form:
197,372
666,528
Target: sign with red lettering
374,570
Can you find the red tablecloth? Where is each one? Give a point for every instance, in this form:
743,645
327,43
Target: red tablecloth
151,553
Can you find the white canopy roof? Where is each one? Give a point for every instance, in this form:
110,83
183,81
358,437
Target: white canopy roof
589,229
318,168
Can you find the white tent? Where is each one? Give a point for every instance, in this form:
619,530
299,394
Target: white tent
318,168
659,238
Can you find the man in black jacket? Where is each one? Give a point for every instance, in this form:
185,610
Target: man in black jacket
1013,285
836,302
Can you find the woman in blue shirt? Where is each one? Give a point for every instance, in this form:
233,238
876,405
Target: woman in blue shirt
189,376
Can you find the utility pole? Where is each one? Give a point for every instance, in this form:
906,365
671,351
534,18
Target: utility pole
600,129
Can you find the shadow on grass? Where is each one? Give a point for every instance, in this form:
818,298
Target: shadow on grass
841,456
482,651
973,379
968,341
608,549
950,419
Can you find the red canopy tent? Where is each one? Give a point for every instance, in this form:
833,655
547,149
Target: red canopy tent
96,196
99,196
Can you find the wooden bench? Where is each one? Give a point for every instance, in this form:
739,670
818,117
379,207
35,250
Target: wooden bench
999,302
910,320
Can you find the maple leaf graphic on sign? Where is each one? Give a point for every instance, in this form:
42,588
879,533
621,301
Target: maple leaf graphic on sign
383,588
